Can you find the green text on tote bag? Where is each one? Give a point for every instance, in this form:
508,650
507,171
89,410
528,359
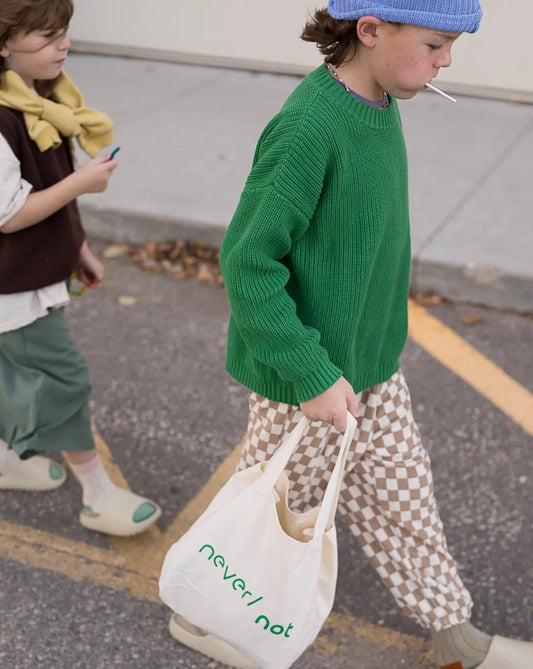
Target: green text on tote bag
239,584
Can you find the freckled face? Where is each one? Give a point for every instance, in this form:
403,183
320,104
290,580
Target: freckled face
406,57
37,55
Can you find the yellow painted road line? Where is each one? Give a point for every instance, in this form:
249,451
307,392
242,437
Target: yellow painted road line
81,562
472,366
353,628
24,534
75,559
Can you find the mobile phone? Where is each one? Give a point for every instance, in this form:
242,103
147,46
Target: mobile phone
114,152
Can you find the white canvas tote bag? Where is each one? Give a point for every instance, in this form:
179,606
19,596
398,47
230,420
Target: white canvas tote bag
252,572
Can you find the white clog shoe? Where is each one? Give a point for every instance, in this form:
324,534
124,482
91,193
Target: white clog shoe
508,654
194,637
37,474
123,515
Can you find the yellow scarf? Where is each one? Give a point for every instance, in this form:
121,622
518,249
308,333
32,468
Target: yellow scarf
66,115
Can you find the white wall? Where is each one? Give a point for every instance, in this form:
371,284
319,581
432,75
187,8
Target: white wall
497,61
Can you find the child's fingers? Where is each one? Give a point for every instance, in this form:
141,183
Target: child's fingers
339,421
101,159
96,283
83,276
105,160
353,405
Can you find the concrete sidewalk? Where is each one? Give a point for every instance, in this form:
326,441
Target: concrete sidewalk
187,135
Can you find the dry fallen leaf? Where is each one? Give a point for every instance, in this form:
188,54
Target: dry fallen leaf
151,250
151,266
427,299
473,319
181,259
116,250
205,273
127,300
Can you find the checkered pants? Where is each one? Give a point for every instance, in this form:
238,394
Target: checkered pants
386,498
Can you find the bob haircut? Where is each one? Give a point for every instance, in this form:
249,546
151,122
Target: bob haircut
25,16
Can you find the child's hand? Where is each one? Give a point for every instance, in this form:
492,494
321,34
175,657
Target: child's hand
93,177
90,270
331,405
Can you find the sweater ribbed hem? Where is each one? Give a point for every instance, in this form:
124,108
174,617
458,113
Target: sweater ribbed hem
277,390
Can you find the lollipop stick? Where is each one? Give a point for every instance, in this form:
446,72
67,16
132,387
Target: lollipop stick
437,90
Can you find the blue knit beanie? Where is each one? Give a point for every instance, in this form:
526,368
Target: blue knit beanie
448,15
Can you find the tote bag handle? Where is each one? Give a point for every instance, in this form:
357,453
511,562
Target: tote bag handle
328,507
277,463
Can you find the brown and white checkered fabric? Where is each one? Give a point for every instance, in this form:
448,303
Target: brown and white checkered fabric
386,498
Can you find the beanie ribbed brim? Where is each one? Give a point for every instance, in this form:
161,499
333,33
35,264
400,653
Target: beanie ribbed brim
447,15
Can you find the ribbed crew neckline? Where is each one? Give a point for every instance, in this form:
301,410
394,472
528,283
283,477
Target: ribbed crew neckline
370,116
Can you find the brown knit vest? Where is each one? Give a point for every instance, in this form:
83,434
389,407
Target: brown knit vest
47,252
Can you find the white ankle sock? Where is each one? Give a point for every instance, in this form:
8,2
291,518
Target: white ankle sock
461,647
9,460
95,483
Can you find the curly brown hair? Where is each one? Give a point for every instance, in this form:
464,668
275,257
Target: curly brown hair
24,16
336,39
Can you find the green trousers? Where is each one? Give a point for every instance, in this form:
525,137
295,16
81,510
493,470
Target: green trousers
44,389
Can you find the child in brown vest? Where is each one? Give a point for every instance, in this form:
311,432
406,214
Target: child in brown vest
44,382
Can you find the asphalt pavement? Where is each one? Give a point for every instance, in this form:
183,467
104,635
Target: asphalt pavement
171,415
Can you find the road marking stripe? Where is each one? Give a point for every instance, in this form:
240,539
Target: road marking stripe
81,562
75,560
22,534
443,344
349,626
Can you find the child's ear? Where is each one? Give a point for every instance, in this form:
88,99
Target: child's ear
4,51
367,30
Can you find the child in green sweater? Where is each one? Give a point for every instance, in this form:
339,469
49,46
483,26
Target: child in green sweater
316,263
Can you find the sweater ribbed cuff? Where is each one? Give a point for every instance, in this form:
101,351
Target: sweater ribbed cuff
317,381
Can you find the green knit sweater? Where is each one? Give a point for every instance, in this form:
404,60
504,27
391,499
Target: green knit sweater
316,259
